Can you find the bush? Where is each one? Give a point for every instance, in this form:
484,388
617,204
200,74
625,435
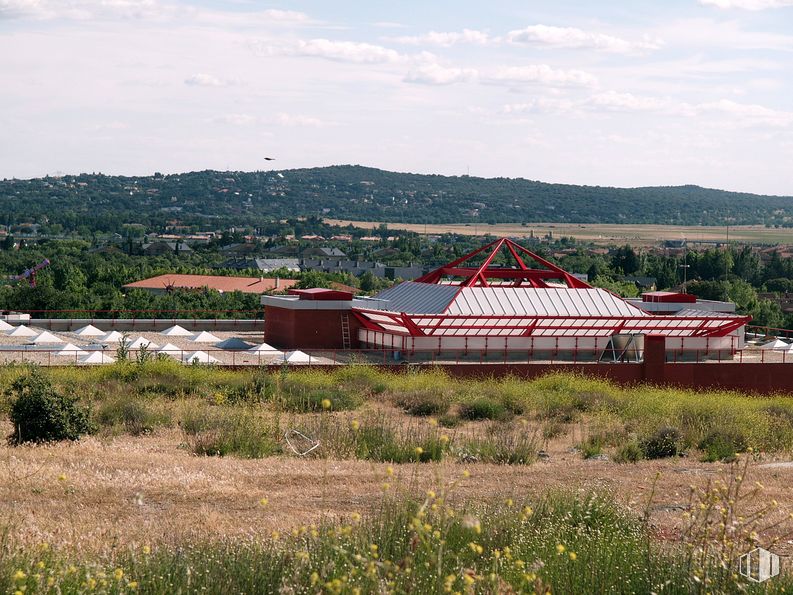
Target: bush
591,447
448,421
382,441
39,413
722,445
133,416
221,433
630,452
423,404
663,443
483,408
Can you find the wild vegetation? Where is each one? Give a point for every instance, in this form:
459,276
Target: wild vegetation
355,412
417,539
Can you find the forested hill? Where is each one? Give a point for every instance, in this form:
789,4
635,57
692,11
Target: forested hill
212,199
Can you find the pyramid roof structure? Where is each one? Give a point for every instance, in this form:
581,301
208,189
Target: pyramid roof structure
112,337
176,331
265,348
205,337
775,345
140,342
46,337
23,331
97,357
201,356
70,350
234,344
89,330
297,357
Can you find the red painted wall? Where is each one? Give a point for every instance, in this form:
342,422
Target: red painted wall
311,329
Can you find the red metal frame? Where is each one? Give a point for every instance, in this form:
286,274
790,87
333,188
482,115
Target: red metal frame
473,325
479,275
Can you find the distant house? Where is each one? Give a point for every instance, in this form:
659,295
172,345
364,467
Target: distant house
243,248
288,250
159,248
265,265
642,283
323,252
165,283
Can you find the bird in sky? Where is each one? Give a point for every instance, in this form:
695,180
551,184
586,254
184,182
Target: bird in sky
269,158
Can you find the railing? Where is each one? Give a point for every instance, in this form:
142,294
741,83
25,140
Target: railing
255,313
769,331
53,356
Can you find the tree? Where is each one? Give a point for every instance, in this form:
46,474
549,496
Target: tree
626,260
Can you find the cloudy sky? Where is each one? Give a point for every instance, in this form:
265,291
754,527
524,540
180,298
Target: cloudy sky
622,93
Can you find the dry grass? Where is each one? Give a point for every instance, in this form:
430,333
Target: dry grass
604,233
99,495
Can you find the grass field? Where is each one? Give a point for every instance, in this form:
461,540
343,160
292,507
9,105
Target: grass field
420,483
605,234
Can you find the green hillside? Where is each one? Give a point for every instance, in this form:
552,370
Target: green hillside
212,199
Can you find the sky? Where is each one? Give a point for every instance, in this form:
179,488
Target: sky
618,93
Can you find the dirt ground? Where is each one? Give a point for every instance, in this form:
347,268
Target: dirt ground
101,494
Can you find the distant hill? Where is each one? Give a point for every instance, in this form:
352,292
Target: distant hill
210,199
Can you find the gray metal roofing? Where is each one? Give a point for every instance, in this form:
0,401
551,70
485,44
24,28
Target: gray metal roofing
416,298
517,301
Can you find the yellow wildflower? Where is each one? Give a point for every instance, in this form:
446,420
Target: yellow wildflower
326,403
264,501
560,548
20,575
355,424
573,556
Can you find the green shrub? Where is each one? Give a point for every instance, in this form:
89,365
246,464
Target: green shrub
722,445
591,447
483,408
630,452
134,416
505,448
448,421
39,413
423,403
223,432
304,392
380,441
664,442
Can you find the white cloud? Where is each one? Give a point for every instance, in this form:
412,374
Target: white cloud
572,38
541,105
84,10
749,113
445,39
339,51
202,79
285,119
541,74
745,114
433,73
747,4
235,119
628,102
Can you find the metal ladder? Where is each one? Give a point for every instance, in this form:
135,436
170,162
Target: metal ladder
345,330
